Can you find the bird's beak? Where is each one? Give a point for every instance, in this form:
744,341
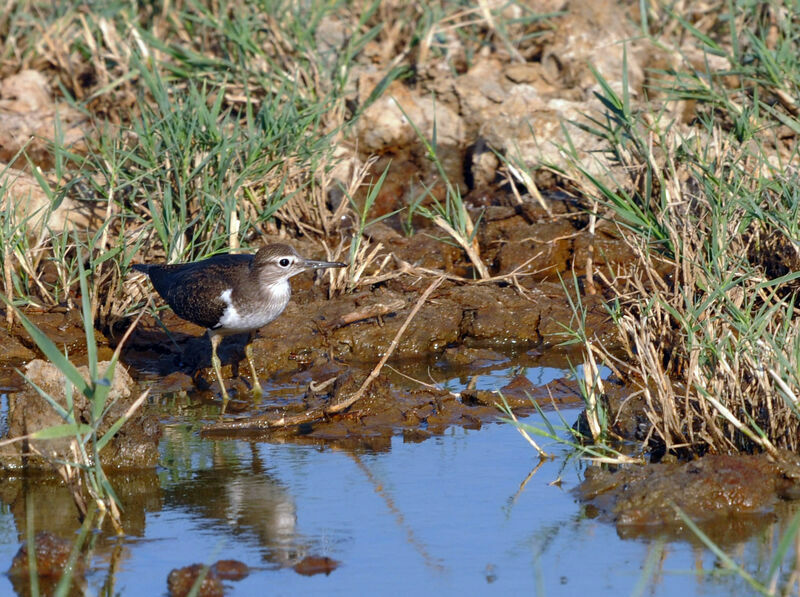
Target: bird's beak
311,264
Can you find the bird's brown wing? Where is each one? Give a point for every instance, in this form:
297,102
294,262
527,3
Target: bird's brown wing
193,290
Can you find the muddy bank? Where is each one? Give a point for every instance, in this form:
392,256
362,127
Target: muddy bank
525,306
729,497
135,445
394,404
313,328
463,326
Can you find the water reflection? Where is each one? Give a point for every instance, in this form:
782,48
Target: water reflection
44,501
53,509
237,495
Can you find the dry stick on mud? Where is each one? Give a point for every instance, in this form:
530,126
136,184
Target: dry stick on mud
314,414
407,268
589,285
368,312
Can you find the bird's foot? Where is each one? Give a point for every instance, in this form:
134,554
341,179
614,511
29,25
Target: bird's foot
255,388
218,370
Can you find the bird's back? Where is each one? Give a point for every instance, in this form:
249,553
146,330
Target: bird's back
193,290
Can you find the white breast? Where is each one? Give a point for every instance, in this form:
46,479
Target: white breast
253,315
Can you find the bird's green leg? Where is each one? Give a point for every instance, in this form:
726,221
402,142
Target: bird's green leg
215,363
248,352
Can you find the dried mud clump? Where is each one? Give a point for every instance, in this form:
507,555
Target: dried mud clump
181,581
134,446
712,491
51,557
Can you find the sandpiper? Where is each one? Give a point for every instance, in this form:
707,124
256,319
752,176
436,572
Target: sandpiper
232,294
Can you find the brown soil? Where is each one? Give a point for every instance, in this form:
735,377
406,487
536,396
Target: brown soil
134,446
728,496
504,102
464,326
51,556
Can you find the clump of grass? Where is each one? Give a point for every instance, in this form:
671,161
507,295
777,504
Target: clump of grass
208,122
457,30
84,475
450,215
707,330
217,122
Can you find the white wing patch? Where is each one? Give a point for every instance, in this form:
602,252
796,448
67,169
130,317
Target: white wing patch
230,317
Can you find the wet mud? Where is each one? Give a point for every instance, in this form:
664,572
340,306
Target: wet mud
134,446
51,554
527,243
322,348
729,497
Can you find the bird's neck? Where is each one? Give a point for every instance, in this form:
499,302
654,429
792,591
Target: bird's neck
267,295
277,293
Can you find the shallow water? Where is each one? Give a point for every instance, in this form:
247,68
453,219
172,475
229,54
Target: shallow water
462,513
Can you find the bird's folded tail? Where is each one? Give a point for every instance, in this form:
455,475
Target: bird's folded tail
141,267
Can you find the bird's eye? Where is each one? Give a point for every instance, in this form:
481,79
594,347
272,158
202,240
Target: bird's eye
284,262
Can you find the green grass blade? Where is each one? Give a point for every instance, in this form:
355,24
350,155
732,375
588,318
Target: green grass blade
50,350
65,430
88,320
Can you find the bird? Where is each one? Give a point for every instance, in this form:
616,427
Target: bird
232,293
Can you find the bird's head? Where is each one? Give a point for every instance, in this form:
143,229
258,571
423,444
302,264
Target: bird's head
278,262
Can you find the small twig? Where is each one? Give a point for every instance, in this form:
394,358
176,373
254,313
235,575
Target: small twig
430,386
314,414
320,387
787,101
392,347
589,285
407,268
368,312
